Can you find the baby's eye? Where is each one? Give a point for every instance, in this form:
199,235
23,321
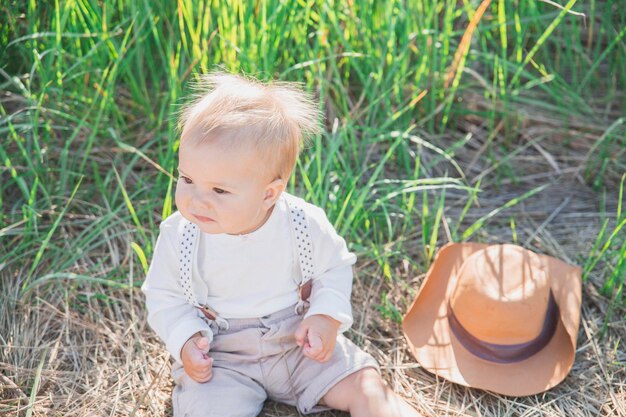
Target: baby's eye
186,180
220,191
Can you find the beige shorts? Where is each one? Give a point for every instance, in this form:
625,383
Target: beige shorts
256,359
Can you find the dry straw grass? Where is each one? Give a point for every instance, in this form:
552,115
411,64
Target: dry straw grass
65,352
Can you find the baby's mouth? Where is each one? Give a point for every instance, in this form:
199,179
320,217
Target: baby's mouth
203,219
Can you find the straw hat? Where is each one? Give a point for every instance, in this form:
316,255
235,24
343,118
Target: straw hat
496,317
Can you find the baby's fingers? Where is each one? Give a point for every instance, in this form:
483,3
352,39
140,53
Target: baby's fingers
312,352
202,344
202,372
301,335
203,377
319,356
315,341
315,348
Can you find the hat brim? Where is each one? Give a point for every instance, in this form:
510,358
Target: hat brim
436,348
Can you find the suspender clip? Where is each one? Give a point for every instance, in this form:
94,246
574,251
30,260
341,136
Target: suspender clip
208,312
212,315
304,290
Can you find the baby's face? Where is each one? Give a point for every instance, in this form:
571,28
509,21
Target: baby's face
222,189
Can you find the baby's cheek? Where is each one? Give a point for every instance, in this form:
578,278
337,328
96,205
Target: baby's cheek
181,197
178,192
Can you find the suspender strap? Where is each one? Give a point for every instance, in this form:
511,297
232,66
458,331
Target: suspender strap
187,244
304,249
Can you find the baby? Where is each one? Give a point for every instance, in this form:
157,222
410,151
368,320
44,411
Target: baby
249,286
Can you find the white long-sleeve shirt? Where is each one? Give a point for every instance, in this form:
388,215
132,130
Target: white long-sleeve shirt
246,276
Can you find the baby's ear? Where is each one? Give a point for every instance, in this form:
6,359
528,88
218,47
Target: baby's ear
273,190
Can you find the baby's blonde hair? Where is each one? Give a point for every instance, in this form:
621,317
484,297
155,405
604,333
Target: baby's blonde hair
274,118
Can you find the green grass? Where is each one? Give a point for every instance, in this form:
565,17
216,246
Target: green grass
89,142
609,253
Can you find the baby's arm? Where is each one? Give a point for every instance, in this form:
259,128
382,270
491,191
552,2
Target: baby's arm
330,309
196,361
332,272
173,319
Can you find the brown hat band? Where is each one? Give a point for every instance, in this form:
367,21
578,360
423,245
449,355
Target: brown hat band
506,353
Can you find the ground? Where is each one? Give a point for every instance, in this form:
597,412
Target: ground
86,350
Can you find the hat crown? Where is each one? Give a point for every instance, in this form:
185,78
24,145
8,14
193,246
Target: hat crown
501,295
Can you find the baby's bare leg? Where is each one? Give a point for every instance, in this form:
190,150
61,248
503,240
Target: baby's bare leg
364,394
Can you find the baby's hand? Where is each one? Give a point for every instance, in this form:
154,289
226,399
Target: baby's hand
196,361
317,335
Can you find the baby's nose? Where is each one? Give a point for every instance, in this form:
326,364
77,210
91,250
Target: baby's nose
202,200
